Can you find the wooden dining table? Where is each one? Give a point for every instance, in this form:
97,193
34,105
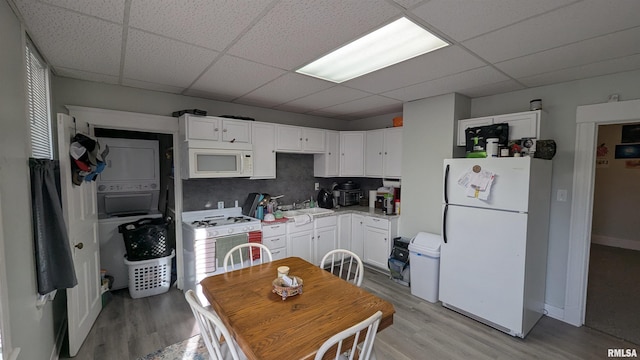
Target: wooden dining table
267,327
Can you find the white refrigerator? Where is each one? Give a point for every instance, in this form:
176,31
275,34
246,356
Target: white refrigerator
495,226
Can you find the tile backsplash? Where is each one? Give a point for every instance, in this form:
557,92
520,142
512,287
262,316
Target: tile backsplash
294,180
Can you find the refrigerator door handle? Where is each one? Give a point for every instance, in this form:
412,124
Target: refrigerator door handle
444,223
446,187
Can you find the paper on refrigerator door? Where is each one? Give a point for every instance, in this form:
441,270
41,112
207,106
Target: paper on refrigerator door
477,184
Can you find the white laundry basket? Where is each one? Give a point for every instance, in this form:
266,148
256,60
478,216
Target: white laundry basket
149,277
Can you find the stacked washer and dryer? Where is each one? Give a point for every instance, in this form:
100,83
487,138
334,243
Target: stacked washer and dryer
128,190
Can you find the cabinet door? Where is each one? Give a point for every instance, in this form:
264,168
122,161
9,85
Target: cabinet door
377,249
467,123
326,164
313,140
521,125
288,138
344,232
374,153
264,151
357,235
325,241
300,244
352,153
203,128
236,131
393,153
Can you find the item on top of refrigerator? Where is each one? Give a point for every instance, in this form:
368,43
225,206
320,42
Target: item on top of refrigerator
545,149
482,133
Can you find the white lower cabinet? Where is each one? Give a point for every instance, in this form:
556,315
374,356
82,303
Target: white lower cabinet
275,238
378,240
344,232
326,236
357,235
300,241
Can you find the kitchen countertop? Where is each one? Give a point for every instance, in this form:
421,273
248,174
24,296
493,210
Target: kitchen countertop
354,209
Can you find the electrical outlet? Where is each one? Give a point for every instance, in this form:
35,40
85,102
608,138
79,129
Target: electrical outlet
220,204
562,195
317,186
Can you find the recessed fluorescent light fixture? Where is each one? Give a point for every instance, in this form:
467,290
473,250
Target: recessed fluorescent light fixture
396,42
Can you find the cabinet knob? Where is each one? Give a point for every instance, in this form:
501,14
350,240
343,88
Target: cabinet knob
329,153
79,245
300,139
385,153
342,154
273,151
385,239
216,129
380,153
224,130
306,139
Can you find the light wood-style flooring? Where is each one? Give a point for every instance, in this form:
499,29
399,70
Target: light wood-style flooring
129,328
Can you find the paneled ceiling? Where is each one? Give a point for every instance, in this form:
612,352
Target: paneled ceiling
246,51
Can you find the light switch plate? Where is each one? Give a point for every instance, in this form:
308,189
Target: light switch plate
220,204
317,186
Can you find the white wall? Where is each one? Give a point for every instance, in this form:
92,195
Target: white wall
31,329
560,102
67,91
429,129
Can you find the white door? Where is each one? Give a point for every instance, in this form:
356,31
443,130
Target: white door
81,217
373,153
376,251
510,188
326,238
264,151
313,140
352,153
393,153
357,235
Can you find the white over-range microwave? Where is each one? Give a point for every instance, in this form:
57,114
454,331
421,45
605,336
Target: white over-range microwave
202,162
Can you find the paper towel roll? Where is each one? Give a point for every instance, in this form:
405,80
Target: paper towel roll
372,198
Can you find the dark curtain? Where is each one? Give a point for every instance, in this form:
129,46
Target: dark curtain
54,262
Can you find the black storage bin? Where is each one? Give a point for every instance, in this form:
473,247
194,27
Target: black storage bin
398,262
146,239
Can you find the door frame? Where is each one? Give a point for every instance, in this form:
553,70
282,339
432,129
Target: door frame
123,120
588,117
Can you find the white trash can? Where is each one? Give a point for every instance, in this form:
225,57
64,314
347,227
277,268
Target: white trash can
424,257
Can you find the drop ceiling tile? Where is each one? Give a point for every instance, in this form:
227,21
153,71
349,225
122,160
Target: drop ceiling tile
611,46
152,86
627,63
580,21
365,104
85,75
72,40
209,95
464,19
159,60
212,24
296,32
235,77
491,89
286,88
436,64
448,84
325,98
108,10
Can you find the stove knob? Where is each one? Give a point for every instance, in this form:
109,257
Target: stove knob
230,231
250,228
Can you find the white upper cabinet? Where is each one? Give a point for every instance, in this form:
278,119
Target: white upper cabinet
352,153
374,153
215,129
393,153
327,164
299,139
383,153
528,124
264,150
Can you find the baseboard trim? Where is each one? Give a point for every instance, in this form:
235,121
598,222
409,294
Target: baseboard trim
57,347
554,312
615,242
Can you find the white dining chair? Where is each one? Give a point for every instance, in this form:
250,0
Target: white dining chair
213,331
346,263
235,258
363,347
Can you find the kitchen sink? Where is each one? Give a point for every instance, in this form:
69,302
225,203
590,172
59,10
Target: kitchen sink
310,211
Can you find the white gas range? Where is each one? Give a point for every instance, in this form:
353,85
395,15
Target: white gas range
207,235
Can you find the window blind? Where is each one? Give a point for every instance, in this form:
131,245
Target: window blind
38,104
